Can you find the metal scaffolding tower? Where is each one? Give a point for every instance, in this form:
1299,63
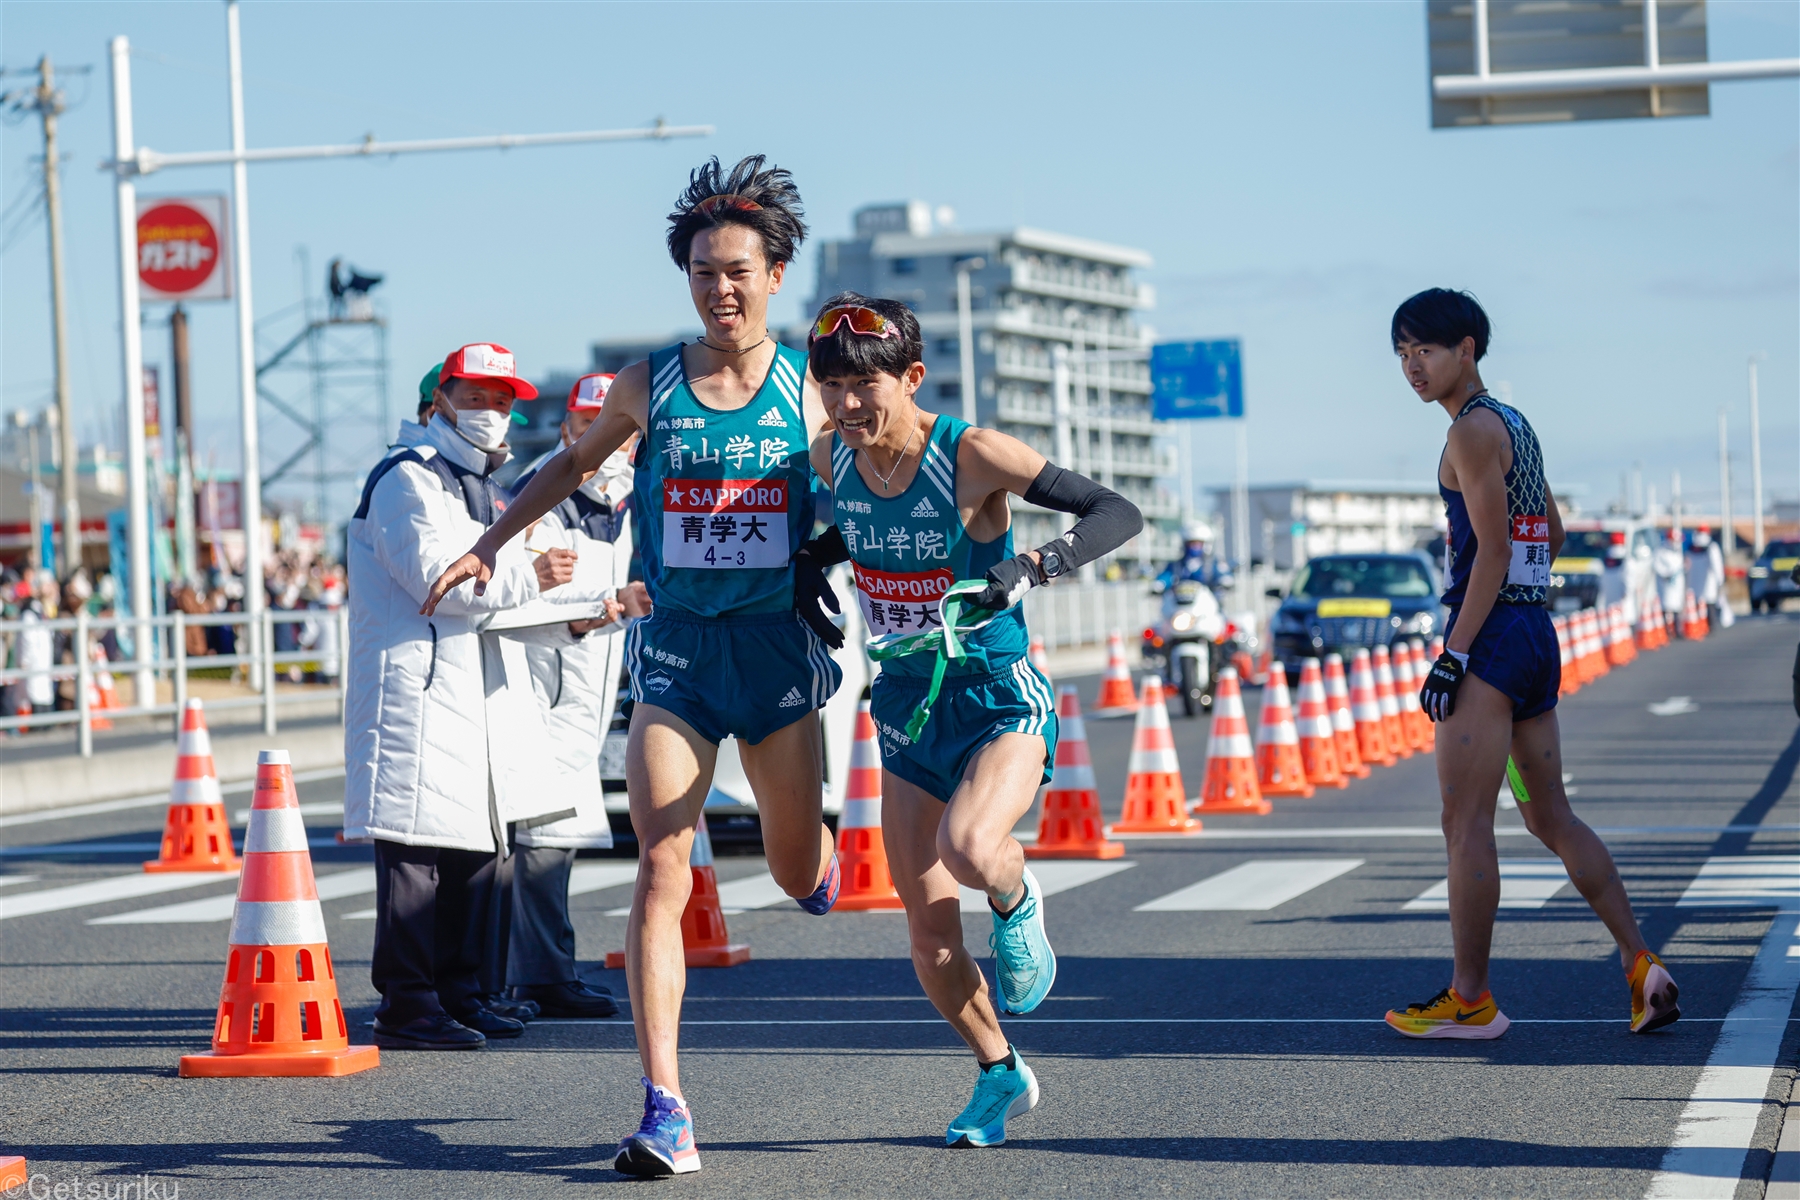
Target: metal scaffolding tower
329,380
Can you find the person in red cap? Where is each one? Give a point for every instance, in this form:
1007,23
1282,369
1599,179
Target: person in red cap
444,743
575,673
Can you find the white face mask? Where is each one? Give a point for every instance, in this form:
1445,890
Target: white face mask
483,428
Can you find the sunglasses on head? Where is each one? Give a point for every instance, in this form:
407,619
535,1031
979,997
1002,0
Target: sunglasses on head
729,201
864,321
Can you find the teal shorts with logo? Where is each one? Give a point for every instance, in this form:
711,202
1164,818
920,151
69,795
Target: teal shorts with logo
971,711
742,677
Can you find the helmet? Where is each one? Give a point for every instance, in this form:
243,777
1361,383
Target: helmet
1196,531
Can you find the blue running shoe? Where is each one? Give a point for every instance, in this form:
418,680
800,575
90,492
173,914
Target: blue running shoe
826,894
999,1094
1023,961
664,1143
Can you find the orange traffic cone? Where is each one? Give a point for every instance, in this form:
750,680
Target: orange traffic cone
278,1008
1596,647
196,836
1619,649
703,934
1230,785
1278,768
1662,621
1565,653
1646,627
1693,626
1071,825
862,852
1039,658
1343,720
1155,800
14,1173
1318,740
1392,728
1116,697
1365,710
1437,649
1406,696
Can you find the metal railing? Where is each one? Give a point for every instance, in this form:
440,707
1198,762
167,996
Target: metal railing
168,636
1082,614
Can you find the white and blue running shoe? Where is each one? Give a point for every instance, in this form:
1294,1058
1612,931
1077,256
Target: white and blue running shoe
1024,964
664,1142
826,894
999,1094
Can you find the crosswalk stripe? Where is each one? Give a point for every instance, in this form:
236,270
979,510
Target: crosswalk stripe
105,891
358,882
14,880
1053,876
1524,883
1742,881
1255,886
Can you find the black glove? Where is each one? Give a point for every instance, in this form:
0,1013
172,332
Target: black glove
1438,696
812,591
1007,583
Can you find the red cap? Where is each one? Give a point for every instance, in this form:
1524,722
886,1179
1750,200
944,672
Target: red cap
589,393
486,361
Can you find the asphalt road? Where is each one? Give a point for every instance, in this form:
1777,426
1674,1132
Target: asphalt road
1227,1053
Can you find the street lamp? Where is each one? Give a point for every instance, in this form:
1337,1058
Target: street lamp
965,333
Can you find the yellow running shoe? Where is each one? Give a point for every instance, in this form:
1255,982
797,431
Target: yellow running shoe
1653,994
1448,1015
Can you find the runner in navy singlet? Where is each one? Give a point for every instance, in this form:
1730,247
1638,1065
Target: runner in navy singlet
1493,690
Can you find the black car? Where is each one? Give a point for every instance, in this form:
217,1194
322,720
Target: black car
1340,603
1771,576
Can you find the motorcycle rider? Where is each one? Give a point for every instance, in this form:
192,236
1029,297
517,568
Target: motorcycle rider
1197,562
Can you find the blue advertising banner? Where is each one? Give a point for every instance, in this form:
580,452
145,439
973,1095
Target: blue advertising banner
1194,380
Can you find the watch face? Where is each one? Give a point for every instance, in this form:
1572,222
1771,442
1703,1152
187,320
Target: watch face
1052,565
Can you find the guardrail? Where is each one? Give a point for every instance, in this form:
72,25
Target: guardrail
168,637
1082,614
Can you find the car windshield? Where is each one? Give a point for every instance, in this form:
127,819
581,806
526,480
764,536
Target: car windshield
1399,578
1782,550
1587,543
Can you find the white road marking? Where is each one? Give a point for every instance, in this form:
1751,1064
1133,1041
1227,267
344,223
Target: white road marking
1706,1158
336,886
11,880
1053,875
1255,886
1744,881
1524,883
1784,1176
104,891
162,797
1333,832
1674,706
330,843
755,891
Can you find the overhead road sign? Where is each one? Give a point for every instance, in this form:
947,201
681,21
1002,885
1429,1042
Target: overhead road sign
182,248
1197,380
1512,62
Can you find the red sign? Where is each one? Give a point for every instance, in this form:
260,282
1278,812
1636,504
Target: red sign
892,585
181,248
725,495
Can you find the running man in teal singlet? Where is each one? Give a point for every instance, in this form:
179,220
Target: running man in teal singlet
1492,693
921,503
722,501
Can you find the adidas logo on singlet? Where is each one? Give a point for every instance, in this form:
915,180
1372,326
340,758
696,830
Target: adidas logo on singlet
773,417
923,508
793,699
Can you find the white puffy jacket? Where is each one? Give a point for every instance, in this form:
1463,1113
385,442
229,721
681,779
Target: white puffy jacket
443,740
577,684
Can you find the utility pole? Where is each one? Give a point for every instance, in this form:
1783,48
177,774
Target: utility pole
186,566
1727,535
1756,492
49,103
965,334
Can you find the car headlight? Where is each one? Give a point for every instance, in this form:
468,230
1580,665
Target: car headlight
1759,572
1181,622
1557,581
1419,623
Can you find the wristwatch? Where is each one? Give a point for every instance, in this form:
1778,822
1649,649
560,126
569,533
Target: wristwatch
1050,564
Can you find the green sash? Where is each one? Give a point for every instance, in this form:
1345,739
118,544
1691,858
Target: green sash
945,641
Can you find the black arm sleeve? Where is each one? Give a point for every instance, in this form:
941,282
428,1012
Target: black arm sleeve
1107,519
828,549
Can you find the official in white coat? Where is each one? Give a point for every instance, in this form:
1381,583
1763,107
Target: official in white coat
444,744
1668,565
1706,576
575,673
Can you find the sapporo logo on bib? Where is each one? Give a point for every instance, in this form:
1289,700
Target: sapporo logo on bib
725,523
1530,552
901,602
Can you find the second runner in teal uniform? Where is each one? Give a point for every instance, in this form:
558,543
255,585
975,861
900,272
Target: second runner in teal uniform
920,502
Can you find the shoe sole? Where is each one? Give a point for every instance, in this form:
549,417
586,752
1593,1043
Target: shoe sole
388,1041
640,1163
1452,1031
1017,1108
1661,1008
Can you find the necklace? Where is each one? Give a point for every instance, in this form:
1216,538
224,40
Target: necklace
887,481
723,350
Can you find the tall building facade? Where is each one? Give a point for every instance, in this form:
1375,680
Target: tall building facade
1060,360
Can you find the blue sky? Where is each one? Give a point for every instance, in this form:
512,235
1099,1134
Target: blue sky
1275,158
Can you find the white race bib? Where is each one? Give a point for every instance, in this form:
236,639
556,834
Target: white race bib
725,523
901,601
1530,552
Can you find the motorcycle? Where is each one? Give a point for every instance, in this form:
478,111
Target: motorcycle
1187,643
